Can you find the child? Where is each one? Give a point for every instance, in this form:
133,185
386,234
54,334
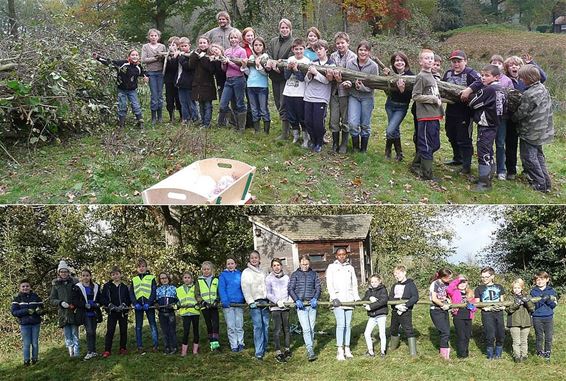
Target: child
304,285
377,313
436,69
519,320
235,85
166,297
86,298
342,285
402,314
489,104
535,128
27,306
459,291
429,113
339,96
185,76
317,96
142,295
313,35
189,313
248,37
512,65
230,291
207,295
396,106
153,55
170,69
276,285
204,88
61,297
254,290
128,72
257,86
116,298
458,115
294,91
439,309
491,316
543,314
360,101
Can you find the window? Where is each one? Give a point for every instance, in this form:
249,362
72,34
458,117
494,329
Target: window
317,257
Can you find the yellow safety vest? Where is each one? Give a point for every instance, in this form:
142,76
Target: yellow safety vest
187,298
208,294
142,287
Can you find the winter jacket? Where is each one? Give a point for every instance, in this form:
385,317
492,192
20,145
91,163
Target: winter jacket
204,87
467,78
23,303
229,286
318,88
341,282
150,57
184,74
220,36
519,313
400,97
127,73
456,297
166,295
341,61
534,115
489,105
407,290
115,294
545,308
62,291
171,68
81,299
279,48
277,289
143,300
380,307
304,285
370,67
253,284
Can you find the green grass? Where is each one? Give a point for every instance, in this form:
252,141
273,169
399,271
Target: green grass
398,365
112,167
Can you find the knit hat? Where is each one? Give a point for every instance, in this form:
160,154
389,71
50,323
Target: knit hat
63,266
458,54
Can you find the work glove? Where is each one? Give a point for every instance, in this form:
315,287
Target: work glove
39,311
138,307
488,309
336,303
372,299
401,307
253,305
123,307
498,308
445,306
146,307
518,300
225,304
64,304
544,298
470,307
31,311
112,308
281,304
299,304
314,303
526,299
215,304
367,307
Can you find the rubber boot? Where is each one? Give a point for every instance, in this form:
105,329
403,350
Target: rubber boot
344,144
159,115
122,121
184,349
285,127
364,144
416,165
139,122
256,126
394,342
456,155
195,349
335,141
222,118
306,139
445,353
426,169
489,352
484,180
340,354
296,136
498,352
398,149
467,165
412,341
153,117
356,143
171,117
388,145
241,121
266,126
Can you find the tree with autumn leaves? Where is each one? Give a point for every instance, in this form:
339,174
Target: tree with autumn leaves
379,14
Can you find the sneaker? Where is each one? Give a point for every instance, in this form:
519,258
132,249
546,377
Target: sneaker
288,353
90,355
370,354
311,357
280,358
141,351
511,176
502,176
240,347
259,358
317,149
382,355
26,363
453,163
123,351
106,354
34,361
235,350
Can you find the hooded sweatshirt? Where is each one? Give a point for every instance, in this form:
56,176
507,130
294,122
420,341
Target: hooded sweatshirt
277,289
342,283
405,290
253,284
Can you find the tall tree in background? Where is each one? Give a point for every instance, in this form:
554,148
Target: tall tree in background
12,19
449,15
379,14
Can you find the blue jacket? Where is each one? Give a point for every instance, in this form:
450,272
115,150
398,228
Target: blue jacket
21,305
229,287
544,309
304,285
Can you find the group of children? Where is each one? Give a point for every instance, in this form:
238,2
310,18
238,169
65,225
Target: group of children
270,297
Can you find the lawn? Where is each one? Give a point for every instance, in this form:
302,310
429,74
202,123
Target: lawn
397,365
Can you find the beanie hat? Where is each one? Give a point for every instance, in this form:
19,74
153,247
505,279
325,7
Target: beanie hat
63,266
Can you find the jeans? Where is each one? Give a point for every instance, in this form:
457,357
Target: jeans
338,113
156,89
90,328
493,327
281,322
128,95
71,333
307,319
168,324
544,330
234,88
520,336
205,112
343,326
152,327
463,328
187,321
258,102
396,112
122,320
442,323
534,166
260,321
314,121
500,146
359,115
234,317
372,322
30,338
189,110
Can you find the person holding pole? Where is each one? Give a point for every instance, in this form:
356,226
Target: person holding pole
27,306
402,314
116,298
440,304
492,316
142,294
230,291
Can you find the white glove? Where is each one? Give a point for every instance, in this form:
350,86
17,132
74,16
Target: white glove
281,304
64,304
372,299
367,307
488,308
445,306
401,308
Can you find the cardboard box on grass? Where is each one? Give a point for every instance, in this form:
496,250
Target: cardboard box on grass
179,188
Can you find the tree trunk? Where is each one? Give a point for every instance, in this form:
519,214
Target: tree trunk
12,19
169,218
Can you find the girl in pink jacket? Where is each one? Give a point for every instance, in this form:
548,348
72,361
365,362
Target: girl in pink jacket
460,292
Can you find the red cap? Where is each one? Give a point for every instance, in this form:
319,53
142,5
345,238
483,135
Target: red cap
458,54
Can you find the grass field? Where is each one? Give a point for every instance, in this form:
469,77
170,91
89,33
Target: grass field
397,365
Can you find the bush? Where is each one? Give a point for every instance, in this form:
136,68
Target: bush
544,28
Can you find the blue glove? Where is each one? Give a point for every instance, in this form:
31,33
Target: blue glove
470,307
225,304
146,307
138,307
314,303
253,306
299,304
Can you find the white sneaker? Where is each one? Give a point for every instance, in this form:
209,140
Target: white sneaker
90,355
340,354
347,353
502,176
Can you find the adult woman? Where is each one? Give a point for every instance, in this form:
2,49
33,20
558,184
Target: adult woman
304,286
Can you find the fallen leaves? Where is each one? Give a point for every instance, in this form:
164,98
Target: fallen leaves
357,181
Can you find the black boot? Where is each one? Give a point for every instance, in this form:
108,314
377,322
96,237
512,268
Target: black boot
344,143
171,117
356,143
153,117
139,123
256,126
222,118
388,144
285,127
122,121
364,144
426,170
484,179
398,149
241,121
266,126
159,115
335,141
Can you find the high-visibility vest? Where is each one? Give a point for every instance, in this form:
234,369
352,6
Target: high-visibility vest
187,298
142,287
208,294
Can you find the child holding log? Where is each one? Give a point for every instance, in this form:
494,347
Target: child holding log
377,313
230,291
166,297
184,83
440,304
189,312
153,55
258,87
402,314
276,285
519,320
170,69
27,306
209,300
86,299
142,295
116,298
543,322
204,87
491,316
459,291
